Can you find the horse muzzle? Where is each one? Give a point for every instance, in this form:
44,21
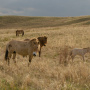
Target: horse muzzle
34,54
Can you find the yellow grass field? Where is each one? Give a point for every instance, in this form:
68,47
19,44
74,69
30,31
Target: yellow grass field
46,72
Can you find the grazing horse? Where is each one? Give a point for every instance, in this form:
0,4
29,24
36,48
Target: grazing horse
79,51
19,32
43,42
22,48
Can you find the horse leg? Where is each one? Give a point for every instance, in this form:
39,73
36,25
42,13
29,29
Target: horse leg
9,56
30,58
83,58
40,52
60,61
8,61
69,57
72,57
17,34
14,56
22,33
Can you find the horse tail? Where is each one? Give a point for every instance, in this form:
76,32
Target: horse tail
16,33
6,55
23,32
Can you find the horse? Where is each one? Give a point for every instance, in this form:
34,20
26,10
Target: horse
19,32
43,42
22,48
79,51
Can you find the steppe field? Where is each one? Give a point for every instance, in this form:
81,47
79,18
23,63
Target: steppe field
46,72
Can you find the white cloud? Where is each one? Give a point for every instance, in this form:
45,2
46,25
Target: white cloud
8,11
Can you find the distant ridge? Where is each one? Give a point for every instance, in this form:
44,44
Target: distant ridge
38,22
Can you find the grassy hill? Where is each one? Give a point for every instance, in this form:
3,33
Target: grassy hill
37,22
46,72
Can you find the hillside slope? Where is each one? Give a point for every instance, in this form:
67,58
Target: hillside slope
37,22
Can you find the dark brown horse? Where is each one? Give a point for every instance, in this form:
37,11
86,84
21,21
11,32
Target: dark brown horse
19,32
43,42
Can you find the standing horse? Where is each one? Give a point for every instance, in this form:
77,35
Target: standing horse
23,48
79,51
19,32
43,42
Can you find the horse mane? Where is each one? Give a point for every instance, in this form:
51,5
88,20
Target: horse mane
86,48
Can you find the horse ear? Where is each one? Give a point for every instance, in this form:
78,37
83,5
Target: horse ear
32,41
45,37
39,38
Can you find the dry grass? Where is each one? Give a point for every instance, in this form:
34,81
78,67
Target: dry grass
46,72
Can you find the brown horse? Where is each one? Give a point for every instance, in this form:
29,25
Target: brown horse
79,51
19,32
43,42
22,48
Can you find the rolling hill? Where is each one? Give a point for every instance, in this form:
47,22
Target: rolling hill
38,22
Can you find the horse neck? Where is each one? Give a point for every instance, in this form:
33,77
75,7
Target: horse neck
31,48
85,51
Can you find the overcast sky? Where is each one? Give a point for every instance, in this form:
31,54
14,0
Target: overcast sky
60,8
